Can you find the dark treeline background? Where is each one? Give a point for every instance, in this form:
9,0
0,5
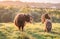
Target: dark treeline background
7,13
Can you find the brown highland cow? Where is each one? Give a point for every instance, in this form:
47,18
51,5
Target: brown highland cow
46,20
20,20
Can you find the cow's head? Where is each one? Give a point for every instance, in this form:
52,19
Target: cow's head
44,17
28,18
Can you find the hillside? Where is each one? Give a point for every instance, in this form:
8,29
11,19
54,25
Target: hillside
32,5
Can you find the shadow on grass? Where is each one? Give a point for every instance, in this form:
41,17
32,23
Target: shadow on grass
58,33
43,36
1,25
37,36
39,30
56,30
36,29
2,35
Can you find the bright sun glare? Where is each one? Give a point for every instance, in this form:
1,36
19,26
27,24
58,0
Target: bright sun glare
40,1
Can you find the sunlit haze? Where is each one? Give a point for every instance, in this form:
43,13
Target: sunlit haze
40,1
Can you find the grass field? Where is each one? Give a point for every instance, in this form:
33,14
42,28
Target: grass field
31,31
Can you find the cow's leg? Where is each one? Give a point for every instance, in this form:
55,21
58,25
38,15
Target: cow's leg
22,28
19,27
49,30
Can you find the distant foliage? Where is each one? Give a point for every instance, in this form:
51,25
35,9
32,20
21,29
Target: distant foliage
7,13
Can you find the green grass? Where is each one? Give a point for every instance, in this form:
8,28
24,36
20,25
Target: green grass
31,31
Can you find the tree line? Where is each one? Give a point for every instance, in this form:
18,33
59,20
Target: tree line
7,14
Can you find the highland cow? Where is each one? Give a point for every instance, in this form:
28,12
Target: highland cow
20,20
46,20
